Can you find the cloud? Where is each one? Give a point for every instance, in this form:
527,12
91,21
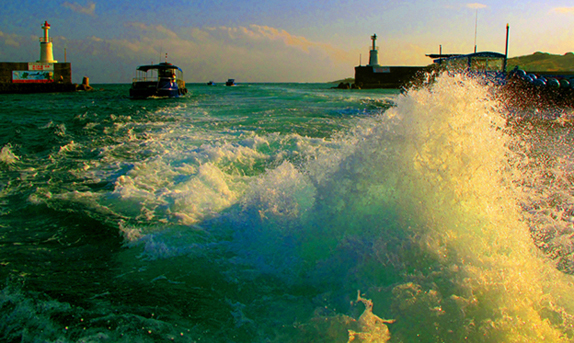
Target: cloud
157,31
12,40
90,9
476,5
274,34
250,53
563,10
15,47
264,38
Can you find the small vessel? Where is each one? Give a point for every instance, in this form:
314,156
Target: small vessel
162,80
211,83
230,82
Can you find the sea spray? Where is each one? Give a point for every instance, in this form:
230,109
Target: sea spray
418,207
548,203
422,209
7,157
248,218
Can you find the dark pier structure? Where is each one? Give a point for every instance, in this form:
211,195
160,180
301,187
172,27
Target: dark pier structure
16,77
375,76
43,76
385,77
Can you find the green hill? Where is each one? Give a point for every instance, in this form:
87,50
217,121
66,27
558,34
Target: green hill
347,80
542,61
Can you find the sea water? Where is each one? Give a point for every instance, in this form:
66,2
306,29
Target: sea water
284,213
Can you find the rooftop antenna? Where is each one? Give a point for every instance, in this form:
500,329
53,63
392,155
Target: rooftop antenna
475,29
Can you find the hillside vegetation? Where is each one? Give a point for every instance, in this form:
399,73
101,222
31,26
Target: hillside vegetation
542,61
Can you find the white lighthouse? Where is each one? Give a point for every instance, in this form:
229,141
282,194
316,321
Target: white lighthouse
373,54
46,53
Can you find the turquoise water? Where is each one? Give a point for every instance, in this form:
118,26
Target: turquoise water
283,213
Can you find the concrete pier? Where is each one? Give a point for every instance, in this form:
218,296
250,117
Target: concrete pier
385,77
374,75
13,78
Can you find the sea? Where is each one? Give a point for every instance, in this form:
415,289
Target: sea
285,212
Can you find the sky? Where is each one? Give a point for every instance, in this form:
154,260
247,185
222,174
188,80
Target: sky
274,40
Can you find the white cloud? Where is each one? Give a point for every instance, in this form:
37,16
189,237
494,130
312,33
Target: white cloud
563,10
263,38
247,53
251,53
153,31
476,5
89,9
12,40
16,47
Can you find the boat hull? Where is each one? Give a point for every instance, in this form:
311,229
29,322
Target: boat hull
163,80
148,89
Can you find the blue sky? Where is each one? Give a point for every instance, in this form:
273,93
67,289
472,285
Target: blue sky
274,41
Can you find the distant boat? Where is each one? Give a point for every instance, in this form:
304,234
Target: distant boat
211,83
230,82
163,80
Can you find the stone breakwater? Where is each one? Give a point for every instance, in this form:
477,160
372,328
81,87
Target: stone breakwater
13,78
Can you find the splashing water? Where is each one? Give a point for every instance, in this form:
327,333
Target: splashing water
7,156
420,206
453,225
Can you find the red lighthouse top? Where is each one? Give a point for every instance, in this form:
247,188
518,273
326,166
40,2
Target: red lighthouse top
46,24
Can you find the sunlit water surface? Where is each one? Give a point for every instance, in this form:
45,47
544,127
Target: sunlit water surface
283,213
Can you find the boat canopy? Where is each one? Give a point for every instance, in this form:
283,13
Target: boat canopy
491,66
160,66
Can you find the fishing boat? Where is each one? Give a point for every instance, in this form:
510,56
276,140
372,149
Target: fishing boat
230,82
162,80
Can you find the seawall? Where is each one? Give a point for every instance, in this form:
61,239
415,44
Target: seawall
24,77
385,77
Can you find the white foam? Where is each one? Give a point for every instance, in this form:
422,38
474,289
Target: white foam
425,196
7,156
